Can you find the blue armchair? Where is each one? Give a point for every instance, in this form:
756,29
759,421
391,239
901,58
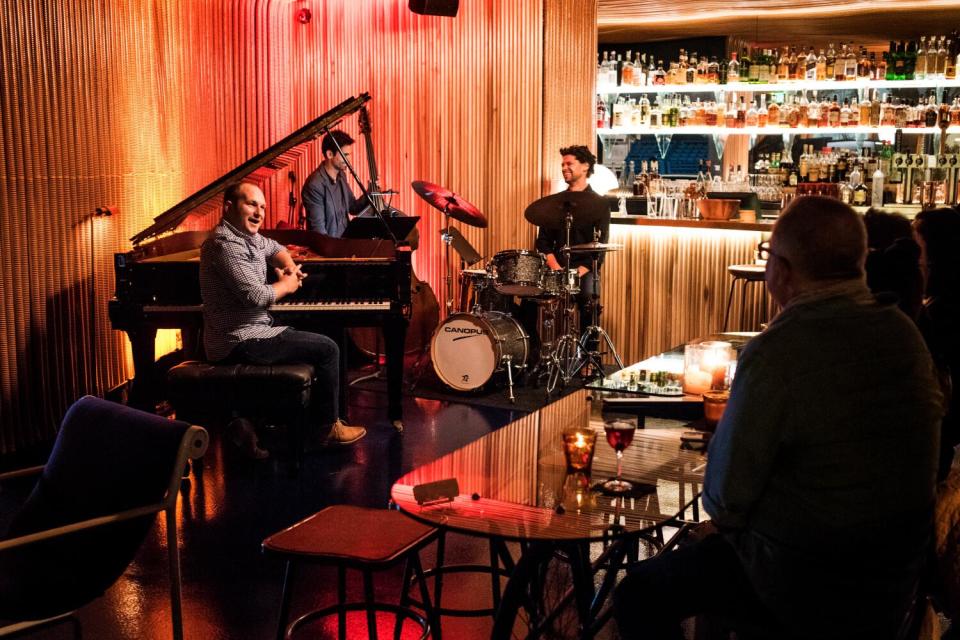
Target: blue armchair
112,469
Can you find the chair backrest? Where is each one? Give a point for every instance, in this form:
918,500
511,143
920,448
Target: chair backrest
107,458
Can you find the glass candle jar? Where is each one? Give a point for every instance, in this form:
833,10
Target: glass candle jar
708,366
578,447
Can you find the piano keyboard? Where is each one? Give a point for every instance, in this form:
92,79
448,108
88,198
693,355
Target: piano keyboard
357,305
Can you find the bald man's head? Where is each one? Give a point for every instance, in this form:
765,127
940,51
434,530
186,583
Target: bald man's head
816,240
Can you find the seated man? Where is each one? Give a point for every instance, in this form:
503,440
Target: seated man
820,477
238,327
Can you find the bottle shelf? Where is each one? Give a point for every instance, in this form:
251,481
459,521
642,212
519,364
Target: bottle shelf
886,133
785,85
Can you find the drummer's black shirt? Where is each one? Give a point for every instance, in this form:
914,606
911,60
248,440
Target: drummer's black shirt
552,240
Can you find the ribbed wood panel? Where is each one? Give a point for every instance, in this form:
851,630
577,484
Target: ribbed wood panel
479,470
140,104
569,52
669,285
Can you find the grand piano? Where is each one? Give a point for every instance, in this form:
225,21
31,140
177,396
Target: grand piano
350,282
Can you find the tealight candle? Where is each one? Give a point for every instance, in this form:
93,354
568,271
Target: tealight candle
578,447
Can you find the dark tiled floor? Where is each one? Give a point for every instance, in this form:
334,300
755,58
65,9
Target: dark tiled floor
230,589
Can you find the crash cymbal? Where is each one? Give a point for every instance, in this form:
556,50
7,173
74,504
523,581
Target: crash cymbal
595,247
550,212
449,203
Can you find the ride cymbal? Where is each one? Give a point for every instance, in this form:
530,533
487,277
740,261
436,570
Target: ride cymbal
550,212
449,203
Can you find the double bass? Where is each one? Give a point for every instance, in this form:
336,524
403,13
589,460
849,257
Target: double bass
424,307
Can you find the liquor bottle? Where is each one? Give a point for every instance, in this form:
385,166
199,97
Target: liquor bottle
644,107
931,113
950,66
723,70
702,66
844,117
876,192
774,114
898,59
682,67
810,65
745,64
783,65
640,71
804,167
854,120
619,107
758,61
821,72
672,73
733,68
659,75
846,193
656,115
942,58
850,64
751,119
955,112
601,68
795,73
730,115
692,69
741,114
813,113
601,113
793,114
863,65
882,69
910,60
833,113
626,72
762,114
831,69
920,71
713,70
651,72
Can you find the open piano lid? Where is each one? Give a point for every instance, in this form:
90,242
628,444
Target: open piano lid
270,159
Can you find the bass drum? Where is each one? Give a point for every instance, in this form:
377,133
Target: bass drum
467,349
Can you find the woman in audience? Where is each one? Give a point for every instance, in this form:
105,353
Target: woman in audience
937,232
893,260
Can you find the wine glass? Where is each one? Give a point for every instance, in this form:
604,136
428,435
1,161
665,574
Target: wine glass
619,436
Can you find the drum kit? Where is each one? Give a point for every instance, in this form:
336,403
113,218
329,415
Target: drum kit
482,337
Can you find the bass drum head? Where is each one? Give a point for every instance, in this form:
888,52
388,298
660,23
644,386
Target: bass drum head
468,349
463,352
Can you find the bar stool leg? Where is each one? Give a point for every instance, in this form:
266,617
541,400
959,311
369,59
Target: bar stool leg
743,304
433,615
438,573
369,597
285,600
404,596
341,601
494,575
726,315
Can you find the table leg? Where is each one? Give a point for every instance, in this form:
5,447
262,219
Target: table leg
534,555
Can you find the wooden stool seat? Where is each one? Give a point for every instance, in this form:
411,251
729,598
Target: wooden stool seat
363,539
352,535
745,274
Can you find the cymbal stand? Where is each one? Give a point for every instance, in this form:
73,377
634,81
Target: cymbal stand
586,355
566,350
447,239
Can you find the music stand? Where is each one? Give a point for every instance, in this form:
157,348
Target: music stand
386,228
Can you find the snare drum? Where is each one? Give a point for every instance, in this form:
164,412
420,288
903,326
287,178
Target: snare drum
518,273
468,349
554,283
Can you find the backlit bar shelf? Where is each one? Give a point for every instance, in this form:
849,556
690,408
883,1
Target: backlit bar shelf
883,132
786,85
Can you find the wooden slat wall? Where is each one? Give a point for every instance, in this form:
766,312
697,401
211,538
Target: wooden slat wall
140,104
669,285
569,42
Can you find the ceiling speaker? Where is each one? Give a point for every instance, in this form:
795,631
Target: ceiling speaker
435,7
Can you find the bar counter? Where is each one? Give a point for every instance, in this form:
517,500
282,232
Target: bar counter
729,225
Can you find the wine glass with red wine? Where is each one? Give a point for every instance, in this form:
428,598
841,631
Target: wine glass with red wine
619,436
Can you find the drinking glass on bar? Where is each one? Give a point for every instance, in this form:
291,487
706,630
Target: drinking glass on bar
619,434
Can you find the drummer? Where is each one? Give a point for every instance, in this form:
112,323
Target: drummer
576,166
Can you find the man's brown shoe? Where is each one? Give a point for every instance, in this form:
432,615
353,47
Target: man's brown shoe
342,435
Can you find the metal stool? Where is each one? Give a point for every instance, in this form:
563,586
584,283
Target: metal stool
745,273
356,538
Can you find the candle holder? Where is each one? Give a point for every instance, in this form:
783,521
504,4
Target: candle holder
708,366
714,404
578,448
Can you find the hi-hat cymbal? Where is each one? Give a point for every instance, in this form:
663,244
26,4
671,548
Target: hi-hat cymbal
595,247
449,203
550,212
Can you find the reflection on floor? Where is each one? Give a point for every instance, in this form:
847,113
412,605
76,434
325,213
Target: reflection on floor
230,589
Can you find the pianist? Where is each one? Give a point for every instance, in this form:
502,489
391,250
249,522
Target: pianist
237,325
326,193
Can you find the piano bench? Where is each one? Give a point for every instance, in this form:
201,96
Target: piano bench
202,392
